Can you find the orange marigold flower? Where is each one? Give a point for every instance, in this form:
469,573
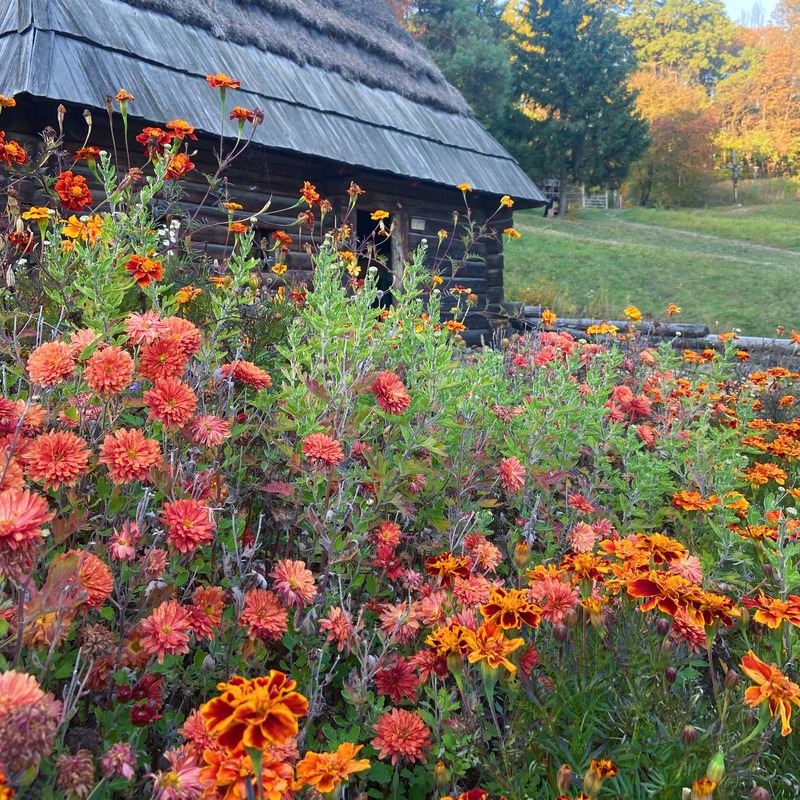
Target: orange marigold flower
263,615
294,583
464,187
186,294
692,501
506,201
512,474
171,402
548,318
38,213
282,237
772,612
761,473
254,713
180,128
672,309
326,771
773,687
73,191
178,166
309,193
222,81
124,97
493,647
22,514
390,393
145,270
510,609
454,326
242,114
50,364
154,140
447,566
247,372
166,631
57,459
323,449
88,231
632,313
401,734
109,371
129,455
378,215
188,523
209,430
512,233
162,359
663,590
238,227
7,102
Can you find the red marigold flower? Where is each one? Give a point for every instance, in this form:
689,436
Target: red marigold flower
209,430
390,393
144,328
263,616
222,81
88,154
162,359
73,191
57,459
242,114
154,140
188,523
12,152
401,734
51,363
323,449
512,474
447,566
247,372
326,771
510,609
166,631
238,227
309,193
399,681
294,583
772,687
109,371
185,333
22,515
145,270
129,455
171,402
178,166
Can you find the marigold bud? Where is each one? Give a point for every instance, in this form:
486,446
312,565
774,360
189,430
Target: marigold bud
570,617
731,679
716,767
663,626
440,776
564,778
560,632
758,793
522,554
670,675
689,734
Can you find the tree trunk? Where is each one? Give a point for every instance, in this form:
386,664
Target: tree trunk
562,190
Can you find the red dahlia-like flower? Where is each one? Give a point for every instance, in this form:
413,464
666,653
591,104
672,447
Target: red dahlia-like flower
401,734
109,371
129,455
188,523
171,402
399,681
166,631
390,393
294,583
51,363
323,448
57,459
73,191
263,616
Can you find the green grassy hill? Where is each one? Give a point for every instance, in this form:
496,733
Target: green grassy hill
727,268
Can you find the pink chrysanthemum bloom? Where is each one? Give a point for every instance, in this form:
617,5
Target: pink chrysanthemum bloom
512,474
400,621
108,371
686,629
323,449
154,562
471,591
401,734
185,333
390,393
247,372
118,761
51,363
263,615
195,732
129,455
22,515
75,774
171,402
294,583
11,475
387,534
554,596
582,538
580,503
209,430
206,610
338,626
145,328
188,523
122,545
688,567
166,631
57,459
182,781
399,681
486,556
80,340
162,359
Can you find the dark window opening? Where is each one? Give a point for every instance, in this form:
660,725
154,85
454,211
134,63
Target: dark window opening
377,253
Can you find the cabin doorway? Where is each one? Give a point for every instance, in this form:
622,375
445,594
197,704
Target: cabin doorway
378,253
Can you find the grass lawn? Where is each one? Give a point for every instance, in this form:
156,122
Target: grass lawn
725,267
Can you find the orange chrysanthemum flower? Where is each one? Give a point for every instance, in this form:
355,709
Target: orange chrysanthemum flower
772,687
222,81
401,734
294,583
144,328
73,191
185,333
94,578
512,474
11,475
129,455
145,270
166,631
22,515
188,523
171,402
247,372
109,371
323,449
510,609
162,359
326,771
209,430
51,363
57,459
254,713
206,611
263,615
390,393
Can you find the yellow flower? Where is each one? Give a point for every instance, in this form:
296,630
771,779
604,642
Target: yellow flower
512,233
672,309
37,212
77,229
379,214
185,295
548,318
438,280
492,646
506,201
7,102
231,206
632,313
442,234
464,187
602,329
279,268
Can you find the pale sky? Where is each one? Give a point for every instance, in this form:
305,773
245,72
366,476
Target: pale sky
735,8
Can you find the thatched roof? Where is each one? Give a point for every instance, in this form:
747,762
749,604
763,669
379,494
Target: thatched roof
336,79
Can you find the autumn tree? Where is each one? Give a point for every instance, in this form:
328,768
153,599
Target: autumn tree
571,66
